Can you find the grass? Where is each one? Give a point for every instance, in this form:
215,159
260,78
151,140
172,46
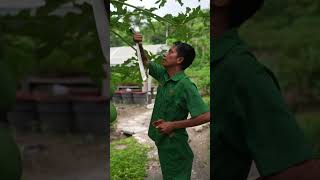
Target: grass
128,162
310,124
206,99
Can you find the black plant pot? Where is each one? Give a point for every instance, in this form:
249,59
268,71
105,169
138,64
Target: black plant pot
117,97
91,115
127,97
140,98
55,114
23,116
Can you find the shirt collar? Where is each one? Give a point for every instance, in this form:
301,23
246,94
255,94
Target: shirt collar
223,44
178,76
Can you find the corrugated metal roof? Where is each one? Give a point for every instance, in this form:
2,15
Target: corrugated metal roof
119,55
14,6
21,4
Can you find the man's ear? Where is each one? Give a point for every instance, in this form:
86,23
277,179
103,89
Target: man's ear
221,3
180,60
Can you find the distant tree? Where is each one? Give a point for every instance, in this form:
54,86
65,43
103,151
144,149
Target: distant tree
53,44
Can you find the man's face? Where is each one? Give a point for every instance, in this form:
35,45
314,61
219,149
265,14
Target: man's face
171,58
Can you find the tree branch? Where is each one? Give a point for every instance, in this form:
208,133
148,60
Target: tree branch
123,39
146,11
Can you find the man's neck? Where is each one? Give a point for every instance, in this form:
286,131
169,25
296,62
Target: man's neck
173,70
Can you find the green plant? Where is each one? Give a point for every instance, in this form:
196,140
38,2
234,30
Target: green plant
46,44
281,35
201,77
113,113
126,73
206,99
128,160
191,27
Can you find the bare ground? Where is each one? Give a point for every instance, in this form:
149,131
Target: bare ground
62,157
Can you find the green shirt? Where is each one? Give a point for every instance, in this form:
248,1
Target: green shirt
250,120
10,160
176,98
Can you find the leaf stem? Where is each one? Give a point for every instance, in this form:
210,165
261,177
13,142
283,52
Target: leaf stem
123,39
144,10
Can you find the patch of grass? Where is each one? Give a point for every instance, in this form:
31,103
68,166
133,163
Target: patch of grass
206,99
310,124
128,162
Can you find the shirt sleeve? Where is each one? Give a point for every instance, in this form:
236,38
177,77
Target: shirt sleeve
272,134
195,104
156,71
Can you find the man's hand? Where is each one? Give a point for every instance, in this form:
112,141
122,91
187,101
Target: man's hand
137,37
163,126
167,127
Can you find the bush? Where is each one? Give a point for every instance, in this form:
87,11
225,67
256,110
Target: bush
201,77
288,45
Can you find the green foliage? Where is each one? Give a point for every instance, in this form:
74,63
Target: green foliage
113,113
112,88
199,71
122,19
284,36
50,45
192,27
206,99
201,76
130,162
194,24
126,73
115,41
20,60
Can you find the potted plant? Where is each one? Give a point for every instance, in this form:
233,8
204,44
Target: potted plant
23,116
139,97
54,113
91,114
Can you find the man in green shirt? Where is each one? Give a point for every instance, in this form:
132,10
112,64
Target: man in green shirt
177,96
250,119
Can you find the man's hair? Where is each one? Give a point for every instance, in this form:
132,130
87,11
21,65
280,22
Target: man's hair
186,51
240,10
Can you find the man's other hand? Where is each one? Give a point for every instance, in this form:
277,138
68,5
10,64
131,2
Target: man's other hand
165,127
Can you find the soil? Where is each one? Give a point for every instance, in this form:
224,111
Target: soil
63,157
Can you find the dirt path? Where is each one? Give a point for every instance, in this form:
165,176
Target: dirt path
135,119
67,157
